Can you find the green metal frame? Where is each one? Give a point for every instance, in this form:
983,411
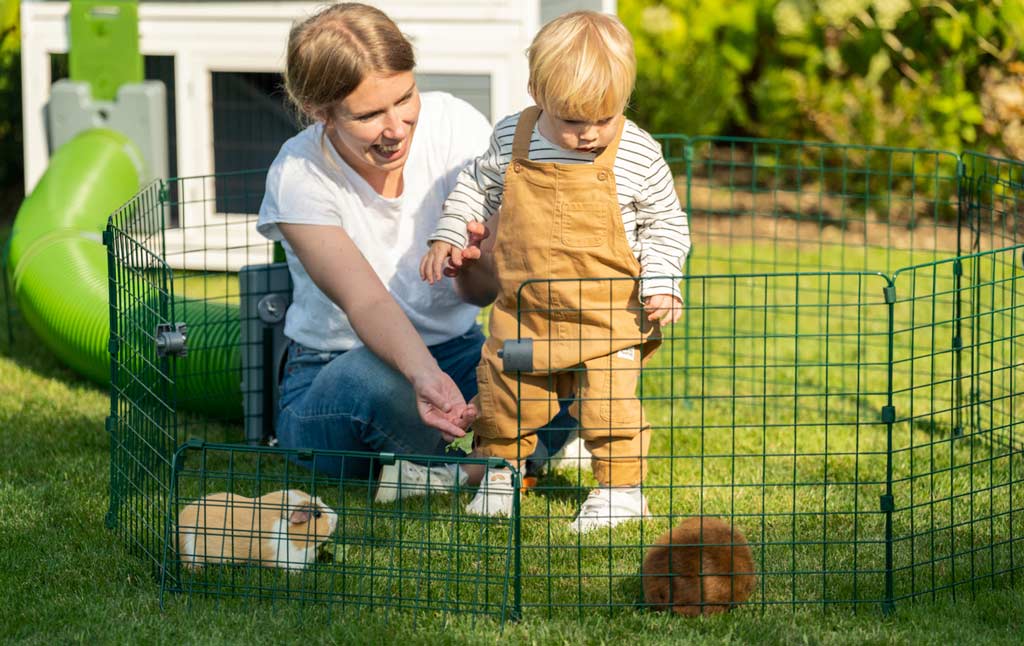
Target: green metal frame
415,554
842,387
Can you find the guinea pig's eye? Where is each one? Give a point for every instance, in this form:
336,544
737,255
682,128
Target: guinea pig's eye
317,513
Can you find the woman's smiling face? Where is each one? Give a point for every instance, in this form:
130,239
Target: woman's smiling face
372,127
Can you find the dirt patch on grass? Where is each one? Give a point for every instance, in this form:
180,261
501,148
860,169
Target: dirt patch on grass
812,217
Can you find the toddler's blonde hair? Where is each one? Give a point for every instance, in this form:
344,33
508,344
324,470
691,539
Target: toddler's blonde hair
582,66
331,52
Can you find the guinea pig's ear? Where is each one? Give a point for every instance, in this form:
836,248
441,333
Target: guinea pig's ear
302,514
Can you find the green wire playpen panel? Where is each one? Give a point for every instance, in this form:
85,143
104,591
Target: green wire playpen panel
843,388
418,553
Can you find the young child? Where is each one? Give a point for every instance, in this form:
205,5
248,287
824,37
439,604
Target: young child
583,193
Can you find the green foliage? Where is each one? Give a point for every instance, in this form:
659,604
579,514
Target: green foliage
9,22
886,72
10,94
691,58
908,73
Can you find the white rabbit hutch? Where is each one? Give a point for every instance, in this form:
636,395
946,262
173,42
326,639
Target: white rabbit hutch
220,63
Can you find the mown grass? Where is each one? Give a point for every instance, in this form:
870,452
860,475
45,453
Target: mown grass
795,454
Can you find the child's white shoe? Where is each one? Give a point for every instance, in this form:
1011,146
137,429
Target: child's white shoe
573,455
405,479
495,495
608,507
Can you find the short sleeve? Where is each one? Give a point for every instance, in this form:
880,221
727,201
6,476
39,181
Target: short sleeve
469,133
296,193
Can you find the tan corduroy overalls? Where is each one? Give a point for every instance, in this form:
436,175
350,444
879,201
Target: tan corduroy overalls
563,222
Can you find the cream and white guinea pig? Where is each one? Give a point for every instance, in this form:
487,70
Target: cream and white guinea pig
703,565
280,529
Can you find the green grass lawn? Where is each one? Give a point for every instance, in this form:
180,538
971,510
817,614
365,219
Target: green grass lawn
799,428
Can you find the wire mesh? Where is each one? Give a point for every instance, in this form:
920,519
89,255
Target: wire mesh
763,407
842,390
161,276
956,449
142,421
847,208
247,522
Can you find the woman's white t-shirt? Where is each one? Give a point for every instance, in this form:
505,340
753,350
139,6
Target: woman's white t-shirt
309,183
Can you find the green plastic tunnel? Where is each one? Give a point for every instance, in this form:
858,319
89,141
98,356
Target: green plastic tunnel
58,270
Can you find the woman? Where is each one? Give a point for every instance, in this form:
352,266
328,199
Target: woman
379,360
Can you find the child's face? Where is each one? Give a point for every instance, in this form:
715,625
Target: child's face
581,136
372,128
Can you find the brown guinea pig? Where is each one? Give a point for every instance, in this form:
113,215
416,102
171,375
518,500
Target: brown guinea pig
280,529
702,566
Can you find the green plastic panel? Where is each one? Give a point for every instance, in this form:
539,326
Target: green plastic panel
105,45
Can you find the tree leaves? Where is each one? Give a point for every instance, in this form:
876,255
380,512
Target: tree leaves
905,73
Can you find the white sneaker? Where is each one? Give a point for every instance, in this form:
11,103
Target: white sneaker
495,495
405,479
573,455
608,507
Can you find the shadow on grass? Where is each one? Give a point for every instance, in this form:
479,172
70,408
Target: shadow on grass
557,486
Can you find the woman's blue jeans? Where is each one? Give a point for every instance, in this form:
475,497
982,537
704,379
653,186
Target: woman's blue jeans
353,401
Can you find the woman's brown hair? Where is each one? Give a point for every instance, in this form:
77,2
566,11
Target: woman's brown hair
331,52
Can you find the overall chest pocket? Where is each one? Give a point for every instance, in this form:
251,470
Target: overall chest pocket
584,224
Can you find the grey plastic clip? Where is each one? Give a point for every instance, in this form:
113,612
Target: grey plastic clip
887,502
171,339
271,308
517,356
890,294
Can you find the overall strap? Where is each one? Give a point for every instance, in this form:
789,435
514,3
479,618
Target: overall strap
607,156
524,132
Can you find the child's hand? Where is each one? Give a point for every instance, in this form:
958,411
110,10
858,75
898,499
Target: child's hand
477,234
663,307
433,264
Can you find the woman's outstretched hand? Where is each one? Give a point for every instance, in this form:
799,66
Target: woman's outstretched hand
441,405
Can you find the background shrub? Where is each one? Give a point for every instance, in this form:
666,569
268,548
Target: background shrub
10,99
906,73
